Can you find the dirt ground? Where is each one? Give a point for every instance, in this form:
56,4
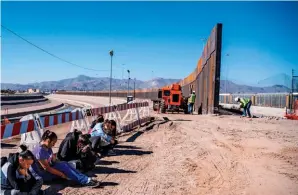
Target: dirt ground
193,154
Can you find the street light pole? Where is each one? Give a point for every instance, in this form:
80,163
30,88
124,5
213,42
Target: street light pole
128,82
111,54
134,89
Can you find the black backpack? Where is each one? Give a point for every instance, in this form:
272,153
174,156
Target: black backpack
4,160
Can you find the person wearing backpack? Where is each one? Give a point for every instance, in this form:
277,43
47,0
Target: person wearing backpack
68,148
17,175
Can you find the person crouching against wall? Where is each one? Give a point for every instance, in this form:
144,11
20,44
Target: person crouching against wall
49,168
17,175
76,150
101,141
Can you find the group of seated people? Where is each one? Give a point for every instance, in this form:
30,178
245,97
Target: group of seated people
24,172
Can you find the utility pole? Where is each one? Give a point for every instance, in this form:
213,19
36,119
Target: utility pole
128,71
292,96
111,54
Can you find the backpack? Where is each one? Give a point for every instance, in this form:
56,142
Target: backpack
4,160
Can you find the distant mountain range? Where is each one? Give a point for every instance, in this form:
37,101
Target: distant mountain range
83,82
230,87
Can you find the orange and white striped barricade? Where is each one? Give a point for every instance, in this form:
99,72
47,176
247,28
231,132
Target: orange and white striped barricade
79,122
32,139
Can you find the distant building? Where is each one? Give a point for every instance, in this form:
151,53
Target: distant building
33,90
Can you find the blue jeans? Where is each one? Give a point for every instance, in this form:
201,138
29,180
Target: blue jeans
65,168
246,109
190,107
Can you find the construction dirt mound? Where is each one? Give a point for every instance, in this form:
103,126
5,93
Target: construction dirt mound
193,154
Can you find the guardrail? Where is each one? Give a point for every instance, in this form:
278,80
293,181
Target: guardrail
137,113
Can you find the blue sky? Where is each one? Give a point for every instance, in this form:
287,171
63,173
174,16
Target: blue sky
163,37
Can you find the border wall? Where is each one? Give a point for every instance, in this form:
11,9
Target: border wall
205,79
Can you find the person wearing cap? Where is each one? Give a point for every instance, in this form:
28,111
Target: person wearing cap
245,103
191,102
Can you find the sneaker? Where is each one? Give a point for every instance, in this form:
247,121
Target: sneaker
93,184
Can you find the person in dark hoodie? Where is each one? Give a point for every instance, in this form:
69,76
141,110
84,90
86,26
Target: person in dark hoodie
17,176
76,149
68,147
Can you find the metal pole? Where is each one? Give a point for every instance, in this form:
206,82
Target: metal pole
292,97
128,82
134,89
111,54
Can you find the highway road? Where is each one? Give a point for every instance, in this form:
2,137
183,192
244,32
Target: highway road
93,101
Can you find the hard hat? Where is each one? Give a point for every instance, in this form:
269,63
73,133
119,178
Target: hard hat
237,99
193,91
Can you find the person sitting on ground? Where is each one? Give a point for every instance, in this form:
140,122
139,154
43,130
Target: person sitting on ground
113,130
68,147
101,141
50,169
17,175
245,103
99,119
76,150
87,157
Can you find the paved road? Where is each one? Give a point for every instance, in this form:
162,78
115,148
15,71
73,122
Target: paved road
77,100
30,107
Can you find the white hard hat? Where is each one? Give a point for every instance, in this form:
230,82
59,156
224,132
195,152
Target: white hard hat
237,99
193,91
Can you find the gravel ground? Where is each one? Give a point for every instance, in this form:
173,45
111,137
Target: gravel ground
194,154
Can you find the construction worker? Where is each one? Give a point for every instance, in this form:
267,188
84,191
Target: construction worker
191,102
245,103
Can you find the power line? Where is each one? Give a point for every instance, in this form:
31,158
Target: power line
51,54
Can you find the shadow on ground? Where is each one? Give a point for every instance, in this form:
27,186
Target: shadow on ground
105,162
131,152
134,136
127,147
109,170
4,145
103,184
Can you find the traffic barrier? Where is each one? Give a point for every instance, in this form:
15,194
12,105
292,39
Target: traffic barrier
48,121
79,119
17,128
135,123
31,139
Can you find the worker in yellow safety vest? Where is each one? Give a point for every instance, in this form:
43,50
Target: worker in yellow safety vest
191,102
245,103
